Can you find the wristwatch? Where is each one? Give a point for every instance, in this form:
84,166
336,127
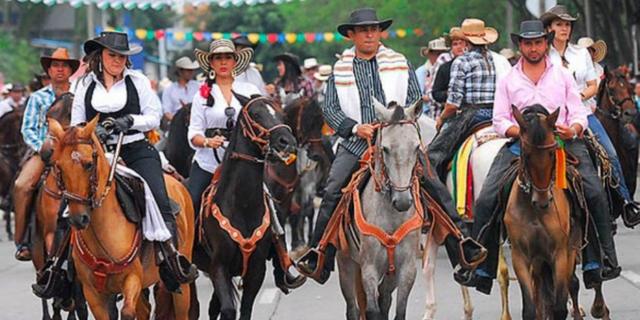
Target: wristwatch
575,134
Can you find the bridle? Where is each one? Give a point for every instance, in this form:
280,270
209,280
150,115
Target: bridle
617,105
525,182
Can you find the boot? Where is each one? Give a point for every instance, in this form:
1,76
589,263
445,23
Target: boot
314,258
175,269
281,264
468,252
631,214
22,217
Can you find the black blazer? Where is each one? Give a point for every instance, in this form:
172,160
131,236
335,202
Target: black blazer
441,83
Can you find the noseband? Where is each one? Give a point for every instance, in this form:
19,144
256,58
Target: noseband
525,181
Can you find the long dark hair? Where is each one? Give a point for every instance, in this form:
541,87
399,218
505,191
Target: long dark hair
291,75
94,61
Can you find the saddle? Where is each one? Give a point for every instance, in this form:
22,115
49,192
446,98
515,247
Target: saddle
130,194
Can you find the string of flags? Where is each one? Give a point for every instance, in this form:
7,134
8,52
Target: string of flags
254,37
150,4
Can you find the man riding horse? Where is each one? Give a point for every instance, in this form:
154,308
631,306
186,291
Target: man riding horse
60,67
535,80
366,72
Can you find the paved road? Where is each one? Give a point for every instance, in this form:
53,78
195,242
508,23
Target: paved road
315,302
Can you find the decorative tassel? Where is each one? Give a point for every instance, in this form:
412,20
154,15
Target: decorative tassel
561,166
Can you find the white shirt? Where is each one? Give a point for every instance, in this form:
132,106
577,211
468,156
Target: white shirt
502,65
580,66
252,75
174,96
116,98
7,105
205,117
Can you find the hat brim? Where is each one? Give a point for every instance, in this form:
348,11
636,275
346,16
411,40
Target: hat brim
287,58
490,36
515,38
243,59
45,62
600,52
320,77
344,28
92,45
548,17
424,51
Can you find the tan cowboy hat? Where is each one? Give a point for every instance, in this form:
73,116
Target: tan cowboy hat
557,12
476,33
599,47
186,63
242,57
439,44
60,54
508,53
455,33
324,71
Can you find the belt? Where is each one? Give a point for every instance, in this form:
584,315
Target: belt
478,106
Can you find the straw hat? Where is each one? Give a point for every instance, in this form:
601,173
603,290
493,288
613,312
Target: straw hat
60,54
476,32
438,44
186,63
324,71
310,63
599,47
242,57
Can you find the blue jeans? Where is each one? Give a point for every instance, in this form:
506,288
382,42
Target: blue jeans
598,130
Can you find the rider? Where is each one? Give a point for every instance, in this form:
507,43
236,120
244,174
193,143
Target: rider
181,92
535,80
458,43
59,66
471,92
349,111
111,90
290,80
14,101
578,61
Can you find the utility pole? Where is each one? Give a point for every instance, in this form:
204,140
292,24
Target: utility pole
91,20
587,13
509,26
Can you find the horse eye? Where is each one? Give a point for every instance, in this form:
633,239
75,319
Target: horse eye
87,166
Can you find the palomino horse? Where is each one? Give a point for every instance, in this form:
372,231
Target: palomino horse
177,150
538,220
108,253
236,218
12,149
305,118
381,254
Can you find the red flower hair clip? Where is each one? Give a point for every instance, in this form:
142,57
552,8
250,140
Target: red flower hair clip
205,91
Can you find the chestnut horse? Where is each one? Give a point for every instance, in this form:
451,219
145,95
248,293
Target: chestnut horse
122,265
12,148
538,221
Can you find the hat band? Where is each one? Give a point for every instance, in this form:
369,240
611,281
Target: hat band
475,34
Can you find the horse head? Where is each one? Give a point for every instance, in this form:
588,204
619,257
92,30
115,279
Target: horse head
305,118
615,96
398,147
60,109
80,167
538,152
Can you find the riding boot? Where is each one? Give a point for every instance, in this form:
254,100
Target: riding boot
175,269
53,280
308,263
281,266
22,217
631,214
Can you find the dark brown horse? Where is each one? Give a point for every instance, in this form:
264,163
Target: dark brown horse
538,221
236,218
12,148
178,152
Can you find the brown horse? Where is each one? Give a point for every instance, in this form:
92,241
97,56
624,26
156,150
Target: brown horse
177,150
12,148
107,252
538,221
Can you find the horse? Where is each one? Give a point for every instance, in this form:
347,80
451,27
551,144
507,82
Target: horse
544,239
177,150
381,253
314,159
108,254
12,148
480,160
236,216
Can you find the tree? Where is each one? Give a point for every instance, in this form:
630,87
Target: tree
21,62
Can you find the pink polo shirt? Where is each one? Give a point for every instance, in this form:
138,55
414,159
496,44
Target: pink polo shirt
555,89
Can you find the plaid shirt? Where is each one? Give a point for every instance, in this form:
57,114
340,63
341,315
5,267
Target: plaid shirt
368,83
473,79
34,124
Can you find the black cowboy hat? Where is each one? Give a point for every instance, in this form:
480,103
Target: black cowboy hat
243,40
531,29
114,41
288,57
363,17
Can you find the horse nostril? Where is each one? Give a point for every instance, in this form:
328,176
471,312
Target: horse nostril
84,220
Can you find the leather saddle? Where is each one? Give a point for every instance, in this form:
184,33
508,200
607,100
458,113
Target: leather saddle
131,195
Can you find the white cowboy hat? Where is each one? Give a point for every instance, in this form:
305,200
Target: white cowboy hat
242,57
439,44
310,63
186,63
508,53
599,47
477,33
324,71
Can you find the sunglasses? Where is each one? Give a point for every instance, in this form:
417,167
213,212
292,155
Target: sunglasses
230,112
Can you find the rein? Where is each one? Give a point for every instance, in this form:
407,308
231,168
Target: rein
525,182
617,112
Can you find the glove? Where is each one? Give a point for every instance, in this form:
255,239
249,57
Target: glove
102,133
123,124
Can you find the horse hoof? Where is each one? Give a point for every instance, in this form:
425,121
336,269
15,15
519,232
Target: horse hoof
600,312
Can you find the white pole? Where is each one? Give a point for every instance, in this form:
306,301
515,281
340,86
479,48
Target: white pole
634,38
588,19
162,55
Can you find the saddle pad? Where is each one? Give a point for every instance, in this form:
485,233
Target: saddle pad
461,174
130,193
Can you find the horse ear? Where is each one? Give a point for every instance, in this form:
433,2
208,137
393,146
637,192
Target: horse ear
382,113
518,116
55,128
414,111
90,128
552,118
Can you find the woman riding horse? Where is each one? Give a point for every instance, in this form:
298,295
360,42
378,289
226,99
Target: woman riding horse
111,91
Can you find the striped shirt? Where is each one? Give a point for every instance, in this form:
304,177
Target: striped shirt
34,124
368,83
473,80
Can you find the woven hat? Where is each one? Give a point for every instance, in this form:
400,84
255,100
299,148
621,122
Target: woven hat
60,54
476,32
242,57
599,47
114,41
557,12
438,44
324,71
363,17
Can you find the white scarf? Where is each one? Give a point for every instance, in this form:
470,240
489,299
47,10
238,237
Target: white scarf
394,76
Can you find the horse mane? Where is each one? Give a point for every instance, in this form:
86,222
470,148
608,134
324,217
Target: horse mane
537,131
61,107
311,121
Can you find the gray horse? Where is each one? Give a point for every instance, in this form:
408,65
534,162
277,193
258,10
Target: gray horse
364,268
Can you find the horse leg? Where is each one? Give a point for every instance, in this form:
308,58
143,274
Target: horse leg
194,308
181,302
252,284
348,275
429,256
7,220
526,284
225,291
131,289
80,308
599,309
214,306
143,308
370,280
466,300
56,313
503,280
164,308
406,277
563,268
98,303
574,289
45,310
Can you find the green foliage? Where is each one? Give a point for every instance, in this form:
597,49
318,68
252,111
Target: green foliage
18,60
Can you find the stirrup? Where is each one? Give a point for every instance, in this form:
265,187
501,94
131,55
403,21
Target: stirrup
52,282
320,257
482,255
174,268
293,282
